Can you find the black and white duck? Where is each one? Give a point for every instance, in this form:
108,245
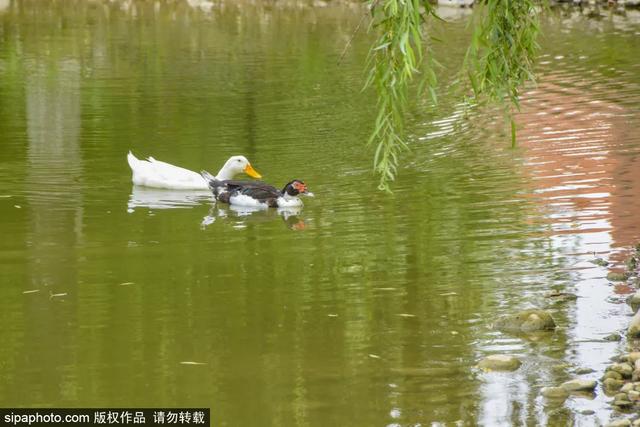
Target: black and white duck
257,194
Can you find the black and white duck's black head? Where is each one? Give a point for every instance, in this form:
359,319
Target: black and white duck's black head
296,188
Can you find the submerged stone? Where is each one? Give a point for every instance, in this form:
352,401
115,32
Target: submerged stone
500,362
561,297
599,261
614,276
581,371
613,337
584,394
579,385
526,321
619,423
554,392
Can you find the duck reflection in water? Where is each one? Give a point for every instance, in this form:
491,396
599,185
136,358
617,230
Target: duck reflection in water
240,215
154,198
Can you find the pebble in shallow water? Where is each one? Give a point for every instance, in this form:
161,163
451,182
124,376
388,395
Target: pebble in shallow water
613,337
526,321
634,299
554,392
617,277
623,369
579,385
611,385
632,357
626,386
500,362
612,374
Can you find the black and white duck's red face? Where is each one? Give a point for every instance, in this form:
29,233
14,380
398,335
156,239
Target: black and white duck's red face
297,187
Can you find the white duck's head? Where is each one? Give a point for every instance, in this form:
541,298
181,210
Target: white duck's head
236,165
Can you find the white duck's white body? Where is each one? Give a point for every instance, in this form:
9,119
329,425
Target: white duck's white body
157,174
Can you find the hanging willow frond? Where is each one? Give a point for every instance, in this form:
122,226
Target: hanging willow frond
498,62
502,52
394,60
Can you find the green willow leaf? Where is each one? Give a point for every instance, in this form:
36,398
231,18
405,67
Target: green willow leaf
498,62
502,53
393,64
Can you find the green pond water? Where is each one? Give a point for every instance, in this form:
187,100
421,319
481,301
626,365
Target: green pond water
364,308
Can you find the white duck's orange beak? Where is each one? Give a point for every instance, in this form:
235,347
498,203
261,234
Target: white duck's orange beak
249,170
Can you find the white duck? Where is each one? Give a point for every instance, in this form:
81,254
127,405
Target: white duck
154,173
